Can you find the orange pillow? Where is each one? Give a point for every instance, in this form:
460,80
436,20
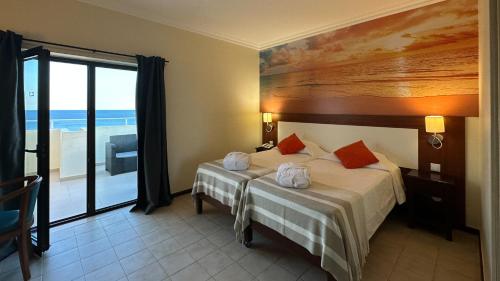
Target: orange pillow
290,145
355,155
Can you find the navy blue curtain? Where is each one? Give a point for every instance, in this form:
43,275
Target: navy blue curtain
153,188
12,120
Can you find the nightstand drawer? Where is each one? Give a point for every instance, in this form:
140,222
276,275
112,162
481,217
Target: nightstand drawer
426,188
430,207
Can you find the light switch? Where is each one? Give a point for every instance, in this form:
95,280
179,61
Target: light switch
436,167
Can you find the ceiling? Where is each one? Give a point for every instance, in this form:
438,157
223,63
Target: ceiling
258,24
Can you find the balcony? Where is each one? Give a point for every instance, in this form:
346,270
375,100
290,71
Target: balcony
68,170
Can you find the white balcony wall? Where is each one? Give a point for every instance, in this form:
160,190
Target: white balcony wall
68,150
55,145
73,154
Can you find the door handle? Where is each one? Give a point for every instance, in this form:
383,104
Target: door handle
40,151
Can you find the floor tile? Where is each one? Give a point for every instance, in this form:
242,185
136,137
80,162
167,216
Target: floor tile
222,237
314,274
128,248
175,262
137,261
189,237
94,248
255,263
68,272
111,272
215,262
235,250
193,272
165,248
200,249
156,237
61,246
60,260
234,272
99,260
152,272
276,273
294,264
122,236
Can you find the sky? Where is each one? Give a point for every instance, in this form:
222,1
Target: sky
115,89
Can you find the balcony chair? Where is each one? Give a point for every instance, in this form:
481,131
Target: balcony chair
17,223
121,154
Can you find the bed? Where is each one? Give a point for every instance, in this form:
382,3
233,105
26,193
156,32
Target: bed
333,219
215,184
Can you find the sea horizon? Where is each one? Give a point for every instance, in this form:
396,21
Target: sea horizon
74,120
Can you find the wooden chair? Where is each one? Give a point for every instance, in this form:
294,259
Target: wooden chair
16,223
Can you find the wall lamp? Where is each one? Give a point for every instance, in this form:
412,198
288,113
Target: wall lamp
435,125
267,118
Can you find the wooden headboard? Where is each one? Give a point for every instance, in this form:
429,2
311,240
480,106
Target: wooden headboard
451,156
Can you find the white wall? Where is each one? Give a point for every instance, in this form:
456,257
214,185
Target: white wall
473,172
487,242
212,87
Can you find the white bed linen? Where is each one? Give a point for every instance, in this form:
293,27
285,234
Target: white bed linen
377,187
272,158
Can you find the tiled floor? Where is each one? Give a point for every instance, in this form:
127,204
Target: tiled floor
177,245
68,197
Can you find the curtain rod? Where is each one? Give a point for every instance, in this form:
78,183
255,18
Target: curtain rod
82,48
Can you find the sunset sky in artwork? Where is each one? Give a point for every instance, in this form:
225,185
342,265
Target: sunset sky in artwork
436,25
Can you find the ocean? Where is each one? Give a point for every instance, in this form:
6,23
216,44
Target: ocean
75,120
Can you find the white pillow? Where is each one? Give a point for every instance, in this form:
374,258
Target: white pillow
312,149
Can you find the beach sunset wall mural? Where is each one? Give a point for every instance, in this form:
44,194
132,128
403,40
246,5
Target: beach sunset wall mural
420,62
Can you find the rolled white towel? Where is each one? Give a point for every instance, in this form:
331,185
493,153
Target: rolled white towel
293,175
236,161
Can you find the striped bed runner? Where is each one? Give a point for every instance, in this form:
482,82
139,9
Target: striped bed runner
223,185
323,224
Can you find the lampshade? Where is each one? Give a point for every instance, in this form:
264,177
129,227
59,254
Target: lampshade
267,117
434,124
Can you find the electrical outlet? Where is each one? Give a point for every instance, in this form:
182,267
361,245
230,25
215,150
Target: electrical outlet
436,167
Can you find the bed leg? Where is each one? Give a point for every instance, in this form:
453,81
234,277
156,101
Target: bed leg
248,236
199,204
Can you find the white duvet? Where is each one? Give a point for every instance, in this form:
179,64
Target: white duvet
380,186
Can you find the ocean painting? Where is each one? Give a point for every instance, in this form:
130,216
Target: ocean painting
419,62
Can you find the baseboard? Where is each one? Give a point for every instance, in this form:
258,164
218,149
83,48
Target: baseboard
470,230
183,192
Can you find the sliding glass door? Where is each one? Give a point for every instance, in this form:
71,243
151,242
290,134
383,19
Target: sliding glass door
115,136
68,132
93,146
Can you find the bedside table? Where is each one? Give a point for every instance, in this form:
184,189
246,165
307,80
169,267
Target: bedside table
431,198
262,148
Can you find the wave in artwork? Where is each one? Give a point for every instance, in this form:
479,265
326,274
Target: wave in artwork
419,62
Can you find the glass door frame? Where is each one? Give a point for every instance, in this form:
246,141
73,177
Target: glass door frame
42,150
91,161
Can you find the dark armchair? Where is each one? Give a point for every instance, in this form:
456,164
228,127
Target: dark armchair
16,223
121,154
